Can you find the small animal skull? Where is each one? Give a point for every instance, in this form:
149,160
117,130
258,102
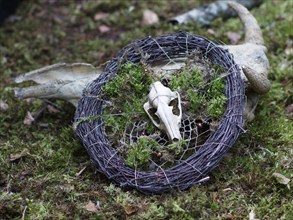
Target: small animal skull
160,110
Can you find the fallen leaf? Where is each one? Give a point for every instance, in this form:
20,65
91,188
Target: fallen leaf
104,29
289,109
233,37
211,31
23,174
286,163
91,207
29,119
281,178
3,106
100,16
129,210
215,196
149,17
14,157
29,100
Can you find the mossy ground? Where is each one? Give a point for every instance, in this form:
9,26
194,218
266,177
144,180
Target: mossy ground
47,178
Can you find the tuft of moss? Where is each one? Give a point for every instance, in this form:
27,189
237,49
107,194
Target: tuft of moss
139,154
206,97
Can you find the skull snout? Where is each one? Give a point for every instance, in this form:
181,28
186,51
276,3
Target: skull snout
169,122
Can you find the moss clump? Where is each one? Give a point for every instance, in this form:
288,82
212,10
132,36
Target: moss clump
127,93
204,92
139,154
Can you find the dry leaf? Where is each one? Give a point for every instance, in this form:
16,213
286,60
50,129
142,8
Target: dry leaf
233,37
129,210
14,157
91,207
211,31
215,196
289,109
281,178
149,17
104,29
100,16
29,119
3,106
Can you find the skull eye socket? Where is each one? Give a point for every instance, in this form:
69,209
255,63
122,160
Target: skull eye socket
152,113
175,109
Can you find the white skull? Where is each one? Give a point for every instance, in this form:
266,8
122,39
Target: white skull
160,110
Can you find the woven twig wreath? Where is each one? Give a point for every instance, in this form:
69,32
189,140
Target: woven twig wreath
194,169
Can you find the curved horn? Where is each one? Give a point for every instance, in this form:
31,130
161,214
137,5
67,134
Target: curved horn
253,33
259,83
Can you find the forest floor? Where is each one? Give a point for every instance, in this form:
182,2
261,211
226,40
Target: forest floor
45,173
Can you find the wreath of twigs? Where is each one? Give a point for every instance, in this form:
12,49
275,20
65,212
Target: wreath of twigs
195,168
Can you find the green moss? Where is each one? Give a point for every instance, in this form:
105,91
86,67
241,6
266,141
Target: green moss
44,180
206,97
139,154
127,93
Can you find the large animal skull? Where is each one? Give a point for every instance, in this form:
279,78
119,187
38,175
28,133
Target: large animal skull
161,112
66,81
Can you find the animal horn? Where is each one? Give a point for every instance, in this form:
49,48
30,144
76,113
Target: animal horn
253,33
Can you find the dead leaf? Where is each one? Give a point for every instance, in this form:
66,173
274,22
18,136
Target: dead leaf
3,106
14,157
289,109
281,178
233,37
211,31
91,207
104,29
29,119
129,210
215,196
29,100
149,17
100,16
